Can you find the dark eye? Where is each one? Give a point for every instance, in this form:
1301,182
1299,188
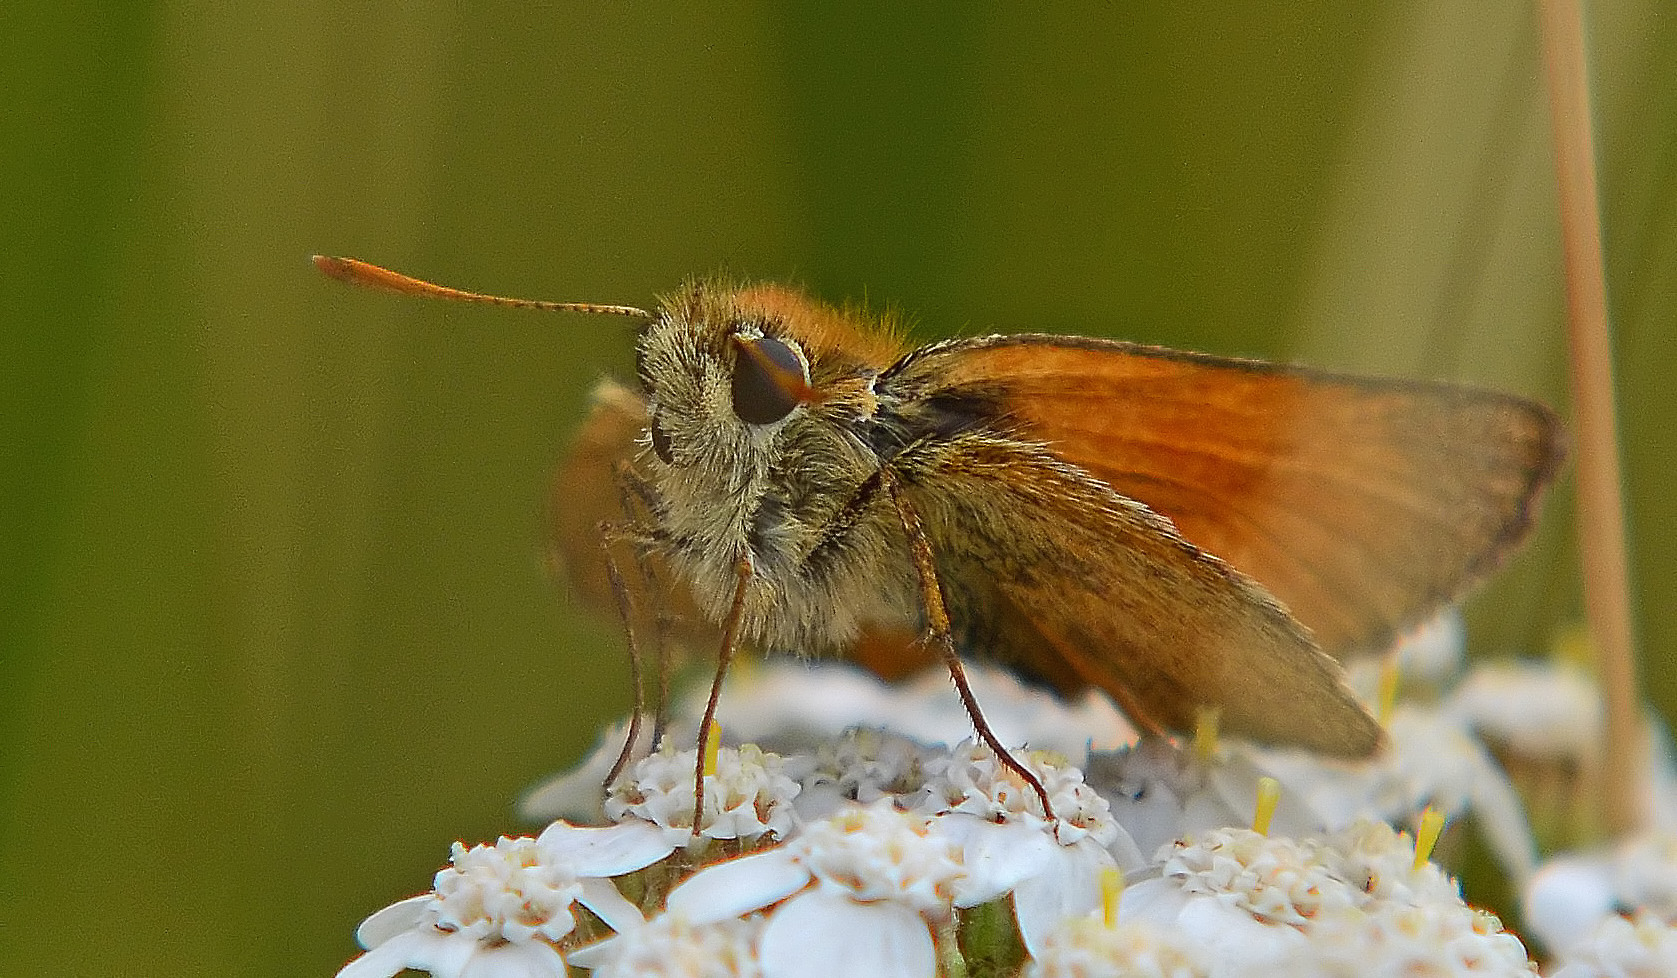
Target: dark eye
661,441
770,379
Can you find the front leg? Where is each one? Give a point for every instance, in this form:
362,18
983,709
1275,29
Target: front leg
633,488
942,637
730,640
611,535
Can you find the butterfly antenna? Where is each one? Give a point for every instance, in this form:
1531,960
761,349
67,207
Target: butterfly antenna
369,276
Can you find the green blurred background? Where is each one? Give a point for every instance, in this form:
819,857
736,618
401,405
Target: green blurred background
275,623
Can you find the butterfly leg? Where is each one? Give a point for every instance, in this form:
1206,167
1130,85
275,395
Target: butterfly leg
730,640
633,488
612,534
942,636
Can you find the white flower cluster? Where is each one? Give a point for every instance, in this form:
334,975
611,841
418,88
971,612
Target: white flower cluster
1612,914
500,909
1351,902
877,877
862,888
748,796
862,764
1638,946
869,850
673,946
1085,947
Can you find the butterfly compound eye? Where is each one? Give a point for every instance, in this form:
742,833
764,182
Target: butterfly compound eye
770,379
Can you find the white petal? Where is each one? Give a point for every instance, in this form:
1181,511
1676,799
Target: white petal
610,850
824,934
424,949
443,954
381,962
1158,901
532,959
601,896
1434,650
594,955
1151,818
1204,811
738,886
1126,854
1070,887
1566,899
1237,942
997,857
395,919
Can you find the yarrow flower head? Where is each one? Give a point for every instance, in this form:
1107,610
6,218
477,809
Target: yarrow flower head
863,764
749,796
509,891
1570,899
1638,946
1161,791
1433,759
861,887
1442,939
877,853
498,910
862,850
1082,946
1536,709
1357,900
970,779
1380,862
670,946
1053,868
1276,880
1647,873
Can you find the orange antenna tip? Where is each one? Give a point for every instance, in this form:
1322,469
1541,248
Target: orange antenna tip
335,267
367,275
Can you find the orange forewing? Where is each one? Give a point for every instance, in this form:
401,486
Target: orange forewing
1362,504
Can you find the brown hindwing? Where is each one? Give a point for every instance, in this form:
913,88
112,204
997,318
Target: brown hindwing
1118,600
588,491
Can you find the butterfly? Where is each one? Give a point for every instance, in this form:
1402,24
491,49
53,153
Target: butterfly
1184,532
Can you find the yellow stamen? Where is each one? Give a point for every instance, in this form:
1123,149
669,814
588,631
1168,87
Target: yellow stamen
1112,887
1269,795
713,744
1426,835
1390,672
1206,719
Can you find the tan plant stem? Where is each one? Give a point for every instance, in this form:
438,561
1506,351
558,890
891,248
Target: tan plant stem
1601,523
